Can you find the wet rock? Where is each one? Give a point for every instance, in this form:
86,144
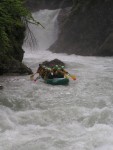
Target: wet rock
11,60
87,30
13,66
1,87
53,63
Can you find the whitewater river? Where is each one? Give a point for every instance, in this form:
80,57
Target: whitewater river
38,116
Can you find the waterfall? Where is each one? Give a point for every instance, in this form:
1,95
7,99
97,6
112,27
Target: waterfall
43,37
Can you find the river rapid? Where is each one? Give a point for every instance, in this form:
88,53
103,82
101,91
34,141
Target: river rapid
38,116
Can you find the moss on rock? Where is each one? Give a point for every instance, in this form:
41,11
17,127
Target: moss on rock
13,20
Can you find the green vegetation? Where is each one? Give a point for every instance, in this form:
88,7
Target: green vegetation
14,18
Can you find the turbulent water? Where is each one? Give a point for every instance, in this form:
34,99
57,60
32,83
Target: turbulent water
38,116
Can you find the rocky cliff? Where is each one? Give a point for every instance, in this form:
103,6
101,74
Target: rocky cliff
11,60
35,5
86,30
13,22
85,26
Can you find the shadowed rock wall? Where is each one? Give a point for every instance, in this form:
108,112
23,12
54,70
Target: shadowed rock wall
87,31
85,26
35,5
11,60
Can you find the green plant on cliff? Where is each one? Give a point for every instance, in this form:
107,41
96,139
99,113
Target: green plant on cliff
13,16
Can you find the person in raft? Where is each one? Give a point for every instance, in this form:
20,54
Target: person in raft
50,73
55,71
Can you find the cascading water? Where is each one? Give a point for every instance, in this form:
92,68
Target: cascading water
37,116
43,37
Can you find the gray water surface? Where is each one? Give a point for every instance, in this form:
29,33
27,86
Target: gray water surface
38,116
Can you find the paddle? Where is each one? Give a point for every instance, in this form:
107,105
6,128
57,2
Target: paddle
32,76
37,78
72,76
67,75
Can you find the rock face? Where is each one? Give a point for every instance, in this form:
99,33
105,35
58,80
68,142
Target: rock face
11,60
53,63
35,5
87,31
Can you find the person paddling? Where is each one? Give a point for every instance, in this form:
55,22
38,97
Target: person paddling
56,71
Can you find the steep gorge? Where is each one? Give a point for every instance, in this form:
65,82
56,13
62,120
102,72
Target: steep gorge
85,27
87,30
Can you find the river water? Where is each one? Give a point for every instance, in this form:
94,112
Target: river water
38,116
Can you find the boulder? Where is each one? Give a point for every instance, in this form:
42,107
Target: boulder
1,87
53,63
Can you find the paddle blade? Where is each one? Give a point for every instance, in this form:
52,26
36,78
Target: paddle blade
73,77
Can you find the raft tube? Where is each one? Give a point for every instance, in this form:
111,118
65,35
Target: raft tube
57,81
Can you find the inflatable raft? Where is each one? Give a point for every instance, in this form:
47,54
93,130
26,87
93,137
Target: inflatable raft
57,81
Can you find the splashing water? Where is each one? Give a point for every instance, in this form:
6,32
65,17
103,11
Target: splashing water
44,37
38,116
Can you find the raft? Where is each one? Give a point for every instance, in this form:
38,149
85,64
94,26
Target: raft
57,81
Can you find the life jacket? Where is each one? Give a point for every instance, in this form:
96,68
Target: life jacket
43,72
